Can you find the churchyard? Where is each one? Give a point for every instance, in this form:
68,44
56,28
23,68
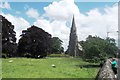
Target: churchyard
28,55
65,67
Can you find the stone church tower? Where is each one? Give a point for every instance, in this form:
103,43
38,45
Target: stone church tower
74,48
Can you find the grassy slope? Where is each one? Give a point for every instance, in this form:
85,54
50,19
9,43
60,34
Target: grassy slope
41,68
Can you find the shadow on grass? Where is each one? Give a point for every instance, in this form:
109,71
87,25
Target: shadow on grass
88,66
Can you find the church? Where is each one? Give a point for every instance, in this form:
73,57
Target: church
74,48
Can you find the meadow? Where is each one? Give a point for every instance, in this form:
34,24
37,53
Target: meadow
66,67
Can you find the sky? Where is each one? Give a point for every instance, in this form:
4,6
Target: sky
55,17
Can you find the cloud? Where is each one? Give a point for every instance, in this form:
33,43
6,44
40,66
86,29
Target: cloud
94,22
56,28
98,23
33,13
61,10
5,5
44,24
19,23
57,20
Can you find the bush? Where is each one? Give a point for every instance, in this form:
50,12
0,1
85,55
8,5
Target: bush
4,56
92,60
28,55
58,55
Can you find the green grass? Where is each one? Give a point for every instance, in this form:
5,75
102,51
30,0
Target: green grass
41,68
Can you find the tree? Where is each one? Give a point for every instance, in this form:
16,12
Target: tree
34,42
57,45
9,45
98,48
111,47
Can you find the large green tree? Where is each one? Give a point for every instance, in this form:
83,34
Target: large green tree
98,48
34,42
57,45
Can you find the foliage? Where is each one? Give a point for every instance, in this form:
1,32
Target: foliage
118,53
58,55
34,41
4,55
41,68
57,45
9,45
96,48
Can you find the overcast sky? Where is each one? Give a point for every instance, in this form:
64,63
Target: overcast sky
91,18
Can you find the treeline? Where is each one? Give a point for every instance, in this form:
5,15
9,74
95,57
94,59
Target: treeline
34,42
97,49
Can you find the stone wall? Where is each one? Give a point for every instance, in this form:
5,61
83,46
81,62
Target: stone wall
105,73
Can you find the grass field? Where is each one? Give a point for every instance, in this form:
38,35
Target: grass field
41,68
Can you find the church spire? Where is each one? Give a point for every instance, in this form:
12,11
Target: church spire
73,28
72,48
